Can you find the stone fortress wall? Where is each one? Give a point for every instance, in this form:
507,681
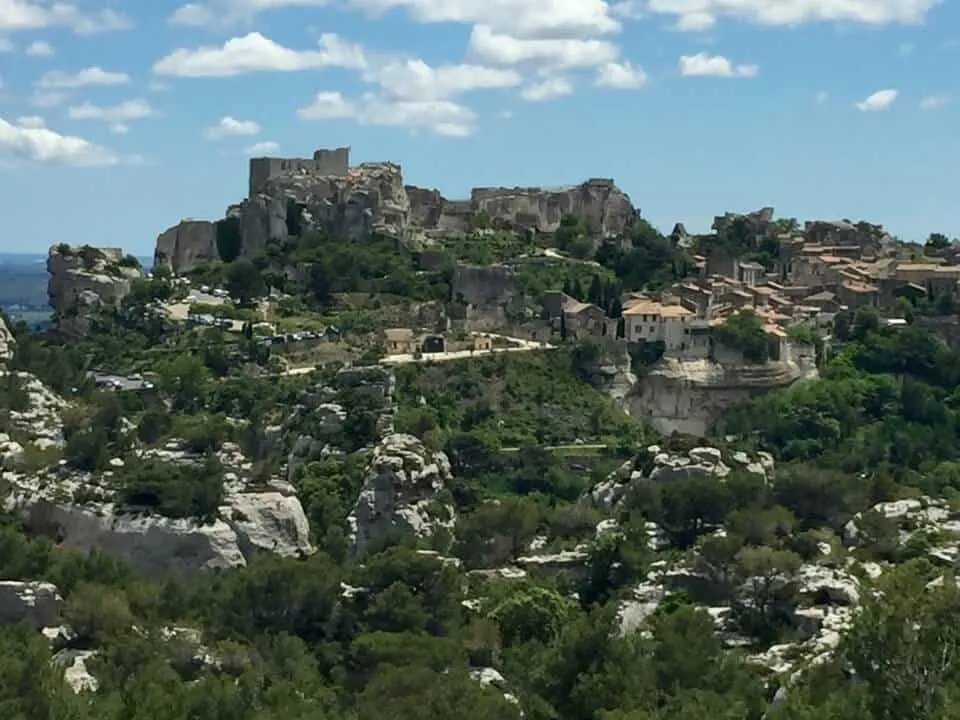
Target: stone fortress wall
335,162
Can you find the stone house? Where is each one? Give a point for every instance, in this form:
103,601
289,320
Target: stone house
400,341
654,322
584,319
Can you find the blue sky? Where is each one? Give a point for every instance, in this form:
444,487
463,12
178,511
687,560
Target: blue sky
117,118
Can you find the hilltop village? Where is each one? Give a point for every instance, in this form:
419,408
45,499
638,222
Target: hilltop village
357,450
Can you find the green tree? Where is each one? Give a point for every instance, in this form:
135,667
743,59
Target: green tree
244,281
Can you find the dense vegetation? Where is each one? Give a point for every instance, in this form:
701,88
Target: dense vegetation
329,638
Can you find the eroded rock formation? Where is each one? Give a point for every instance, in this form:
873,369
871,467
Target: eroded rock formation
403,491
83,278
690,396
187,244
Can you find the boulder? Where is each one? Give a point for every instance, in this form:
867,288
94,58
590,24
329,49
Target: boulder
403,490
36,603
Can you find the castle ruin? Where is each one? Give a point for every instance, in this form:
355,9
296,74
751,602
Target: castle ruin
334,162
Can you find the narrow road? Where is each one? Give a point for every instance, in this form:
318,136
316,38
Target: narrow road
407,359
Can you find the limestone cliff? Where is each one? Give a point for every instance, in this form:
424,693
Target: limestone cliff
604,208
83,278
690,396
489,294
186,244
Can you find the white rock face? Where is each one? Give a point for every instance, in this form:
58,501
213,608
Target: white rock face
269,522
7,342
403,483
75,673
37,603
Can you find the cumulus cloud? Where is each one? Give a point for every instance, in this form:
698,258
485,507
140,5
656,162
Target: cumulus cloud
520,18
413,79
880,100
442,117
706,65
621,76
31,140
255,52
488,45
262,148
702,14
117,116
39,48
231,127
549,89
34,15
136,109
225,12
58,79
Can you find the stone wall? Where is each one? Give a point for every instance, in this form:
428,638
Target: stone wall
324,162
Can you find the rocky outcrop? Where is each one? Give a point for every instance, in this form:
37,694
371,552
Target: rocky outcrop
370,198
7,343
690,396
404,491
36,603
38,421
252,518
82,278
610,371
186,245
662,466
871,239
491,295
603,207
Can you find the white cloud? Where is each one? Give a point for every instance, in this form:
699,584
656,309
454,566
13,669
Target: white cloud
118,115
520,18
225,12
697,14
621,76
549,89
488,45
265,147
443,117
31,122
255,52
40,48
37,143
932,102
35,15
706,65
695,22
230,127
413,79
880,100
88,76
